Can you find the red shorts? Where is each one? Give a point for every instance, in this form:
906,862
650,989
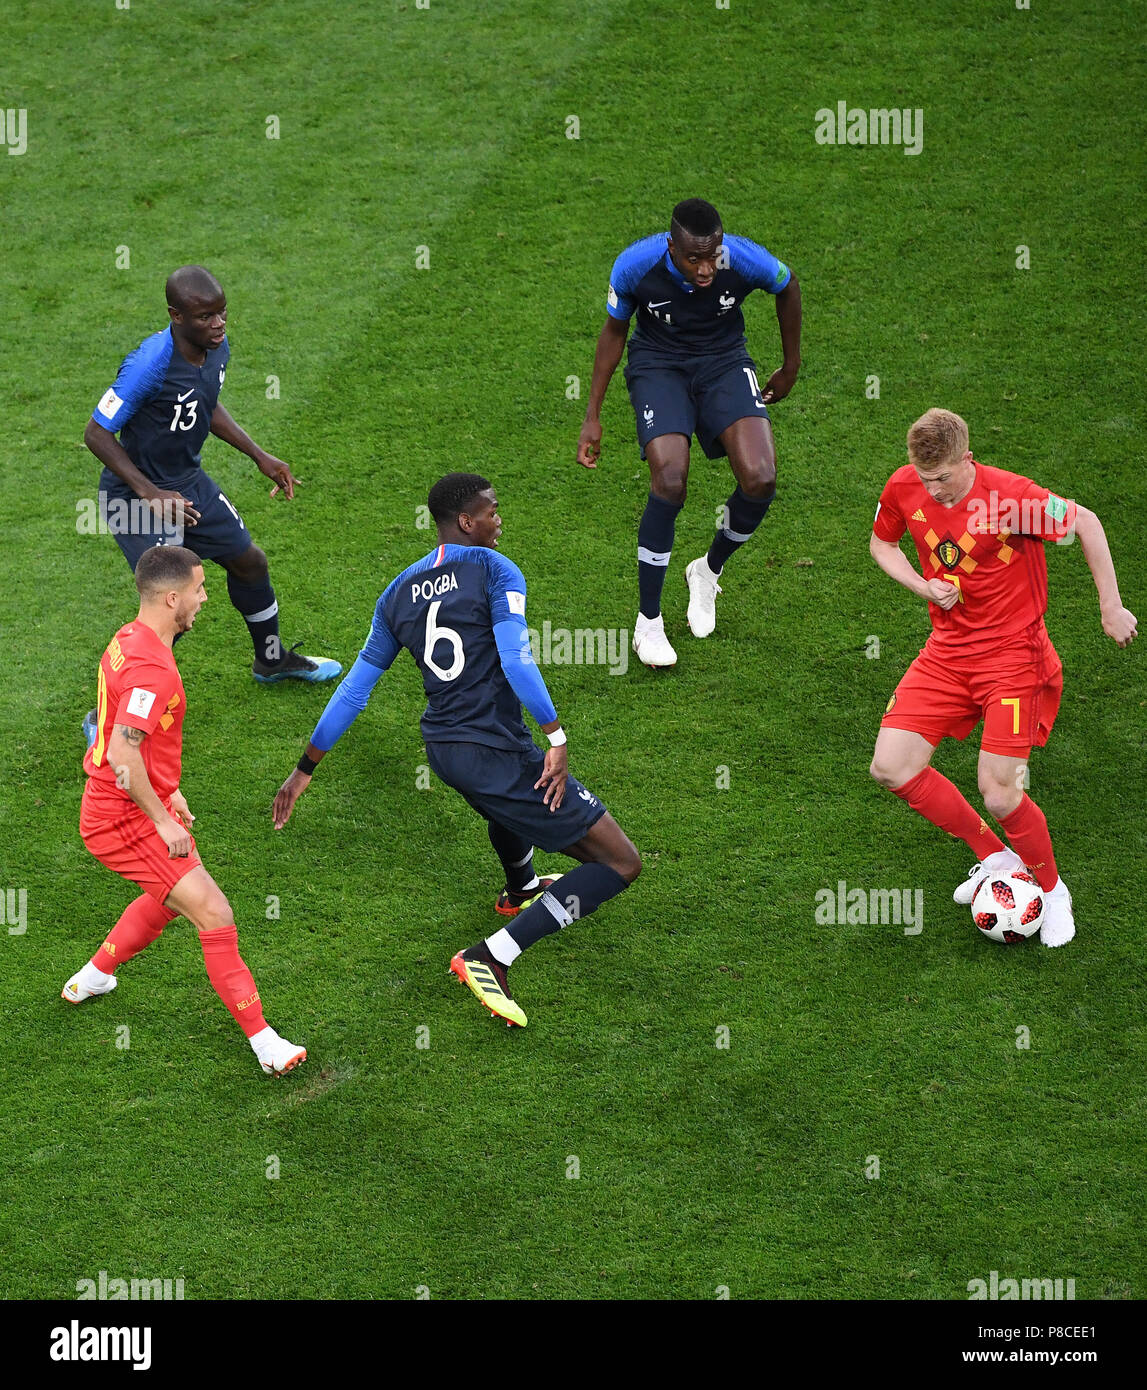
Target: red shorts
126,841
1015,691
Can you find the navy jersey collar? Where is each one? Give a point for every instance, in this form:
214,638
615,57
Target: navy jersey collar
225,345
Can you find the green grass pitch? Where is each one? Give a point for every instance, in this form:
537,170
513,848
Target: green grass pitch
701,1168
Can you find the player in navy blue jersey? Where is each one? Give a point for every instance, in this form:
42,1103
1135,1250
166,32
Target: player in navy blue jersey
153,490
689,372
461,613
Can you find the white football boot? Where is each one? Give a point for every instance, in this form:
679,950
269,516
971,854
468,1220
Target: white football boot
650,643
81,985
703,591
1003,861
1058,921
276,1055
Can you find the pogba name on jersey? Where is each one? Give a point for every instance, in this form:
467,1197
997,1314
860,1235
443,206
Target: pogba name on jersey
421,591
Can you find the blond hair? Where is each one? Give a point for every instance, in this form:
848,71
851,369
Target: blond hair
939,436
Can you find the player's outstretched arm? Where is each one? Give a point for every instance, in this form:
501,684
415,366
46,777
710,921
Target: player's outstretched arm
789,318
226,429
125,757
897,565
343,708
1119,624
610,346
295,785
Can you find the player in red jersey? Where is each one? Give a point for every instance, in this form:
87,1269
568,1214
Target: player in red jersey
136,821
980,533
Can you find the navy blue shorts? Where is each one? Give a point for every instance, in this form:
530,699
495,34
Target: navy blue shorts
698,396
219,534
499,784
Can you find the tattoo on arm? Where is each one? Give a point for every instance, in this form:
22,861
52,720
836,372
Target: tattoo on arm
131,735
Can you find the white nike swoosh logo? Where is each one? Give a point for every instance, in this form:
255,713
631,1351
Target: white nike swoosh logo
658,305
185,394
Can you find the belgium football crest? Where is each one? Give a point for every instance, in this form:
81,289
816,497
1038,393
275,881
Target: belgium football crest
949,553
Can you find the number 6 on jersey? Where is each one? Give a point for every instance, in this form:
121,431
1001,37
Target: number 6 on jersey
436,634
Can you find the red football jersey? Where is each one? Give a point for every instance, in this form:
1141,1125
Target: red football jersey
138,684
990,545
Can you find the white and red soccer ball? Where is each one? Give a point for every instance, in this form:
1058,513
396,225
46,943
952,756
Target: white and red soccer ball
1008,907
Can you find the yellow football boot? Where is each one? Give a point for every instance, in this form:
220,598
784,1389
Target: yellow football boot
487,979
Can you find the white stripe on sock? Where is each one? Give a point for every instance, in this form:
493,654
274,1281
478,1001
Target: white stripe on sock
556,910
503,947
653,557
262,616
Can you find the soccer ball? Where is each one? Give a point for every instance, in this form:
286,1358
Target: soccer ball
1008,907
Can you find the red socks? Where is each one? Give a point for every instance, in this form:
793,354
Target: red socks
232,980
141,923
1026,828
941,802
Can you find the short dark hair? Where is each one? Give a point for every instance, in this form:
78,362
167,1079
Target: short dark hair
191,282
163,568
454,494
696,217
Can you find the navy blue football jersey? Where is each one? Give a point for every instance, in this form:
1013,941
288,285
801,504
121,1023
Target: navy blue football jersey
161,406
674,318
449,610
